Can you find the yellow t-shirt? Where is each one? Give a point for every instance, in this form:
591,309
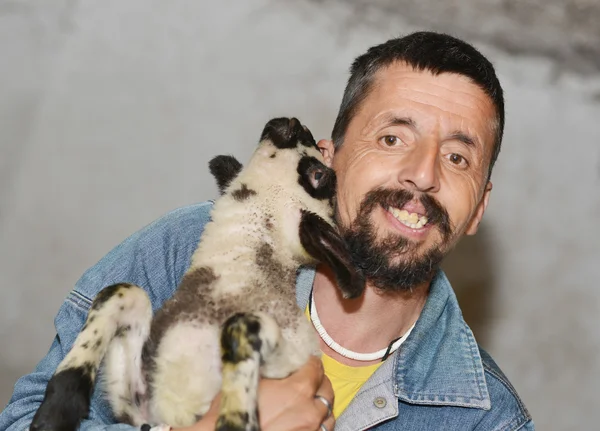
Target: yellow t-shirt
346,380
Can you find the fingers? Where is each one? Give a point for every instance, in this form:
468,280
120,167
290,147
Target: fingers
328,423
289,404
316,388
309,377
324,400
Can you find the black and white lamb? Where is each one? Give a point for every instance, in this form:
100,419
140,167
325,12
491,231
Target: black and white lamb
234,316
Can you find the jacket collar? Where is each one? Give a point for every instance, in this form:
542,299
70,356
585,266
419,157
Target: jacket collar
439,363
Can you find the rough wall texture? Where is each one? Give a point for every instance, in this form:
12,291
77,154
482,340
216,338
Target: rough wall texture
566,31
109,112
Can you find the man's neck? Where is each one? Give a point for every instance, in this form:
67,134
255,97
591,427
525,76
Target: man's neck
366,324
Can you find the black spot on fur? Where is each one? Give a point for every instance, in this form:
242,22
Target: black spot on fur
287,133
272,156
224,169
273,270
269,222
107,293
240,338
88,368
318,180
85,345
125,418
97,344
122,331
322,242
74,385
235,421
242,193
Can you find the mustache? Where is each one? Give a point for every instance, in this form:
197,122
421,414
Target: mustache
434,211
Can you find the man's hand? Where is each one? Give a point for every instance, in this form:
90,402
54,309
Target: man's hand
286,404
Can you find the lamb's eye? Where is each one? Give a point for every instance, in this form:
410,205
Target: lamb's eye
317,175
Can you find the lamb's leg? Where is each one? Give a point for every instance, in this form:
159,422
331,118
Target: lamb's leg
67,398
247,341
123,379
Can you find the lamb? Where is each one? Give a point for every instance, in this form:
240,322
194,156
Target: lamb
234,315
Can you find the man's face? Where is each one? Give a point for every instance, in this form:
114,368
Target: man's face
412,172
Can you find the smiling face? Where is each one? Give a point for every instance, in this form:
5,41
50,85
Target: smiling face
412,172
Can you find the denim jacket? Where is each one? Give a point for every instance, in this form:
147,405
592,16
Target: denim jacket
439,380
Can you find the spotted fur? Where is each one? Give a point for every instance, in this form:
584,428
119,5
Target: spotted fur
234,316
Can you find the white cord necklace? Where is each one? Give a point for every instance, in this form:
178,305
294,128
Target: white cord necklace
314,317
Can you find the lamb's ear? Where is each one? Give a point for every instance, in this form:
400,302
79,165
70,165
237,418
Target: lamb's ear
322,242
224,169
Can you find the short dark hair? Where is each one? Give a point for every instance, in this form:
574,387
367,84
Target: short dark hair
435,52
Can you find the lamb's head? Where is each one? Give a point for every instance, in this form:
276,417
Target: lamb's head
287,185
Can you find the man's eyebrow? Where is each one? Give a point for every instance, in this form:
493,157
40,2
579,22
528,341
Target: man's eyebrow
393,120
464,138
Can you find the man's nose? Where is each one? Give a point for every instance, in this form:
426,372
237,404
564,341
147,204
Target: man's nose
420,170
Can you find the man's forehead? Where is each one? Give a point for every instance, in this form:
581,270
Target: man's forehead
402,88
399,77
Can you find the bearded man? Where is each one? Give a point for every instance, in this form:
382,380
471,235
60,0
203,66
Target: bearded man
418,132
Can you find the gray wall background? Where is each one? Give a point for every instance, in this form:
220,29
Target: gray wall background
110,110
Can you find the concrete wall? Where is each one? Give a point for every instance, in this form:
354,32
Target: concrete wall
109,112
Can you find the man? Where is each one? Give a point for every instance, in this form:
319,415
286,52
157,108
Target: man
418,131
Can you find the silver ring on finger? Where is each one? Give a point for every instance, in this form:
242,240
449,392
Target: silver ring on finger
324,428
329,408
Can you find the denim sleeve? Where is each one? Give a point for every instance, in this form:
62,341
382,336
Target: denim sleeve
508,412
528,426
155,258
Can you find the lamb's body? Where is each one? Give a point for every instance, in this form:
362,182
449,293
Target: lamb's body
236,268
234,309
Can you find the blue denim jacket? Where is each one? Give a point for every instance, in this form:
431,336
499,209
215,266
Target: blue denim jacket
439,379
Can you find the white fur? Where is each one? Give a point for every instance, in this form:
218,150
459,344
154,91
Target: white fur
188,374
123,378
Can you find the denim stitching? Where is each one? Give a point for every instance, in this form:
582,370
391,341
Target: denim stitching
80,301
510,389
518,422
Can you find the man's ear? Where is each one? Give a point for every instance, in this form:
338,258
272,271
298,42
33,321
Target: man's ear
480,210
327,149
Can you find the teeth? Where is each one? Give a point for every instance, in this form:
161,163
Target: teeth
411,220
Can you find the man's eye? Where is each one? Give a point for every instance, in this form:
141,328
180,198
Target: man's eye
390,140
458,160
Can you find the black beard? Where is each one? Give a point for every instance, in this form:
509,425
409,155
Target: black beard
374,257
